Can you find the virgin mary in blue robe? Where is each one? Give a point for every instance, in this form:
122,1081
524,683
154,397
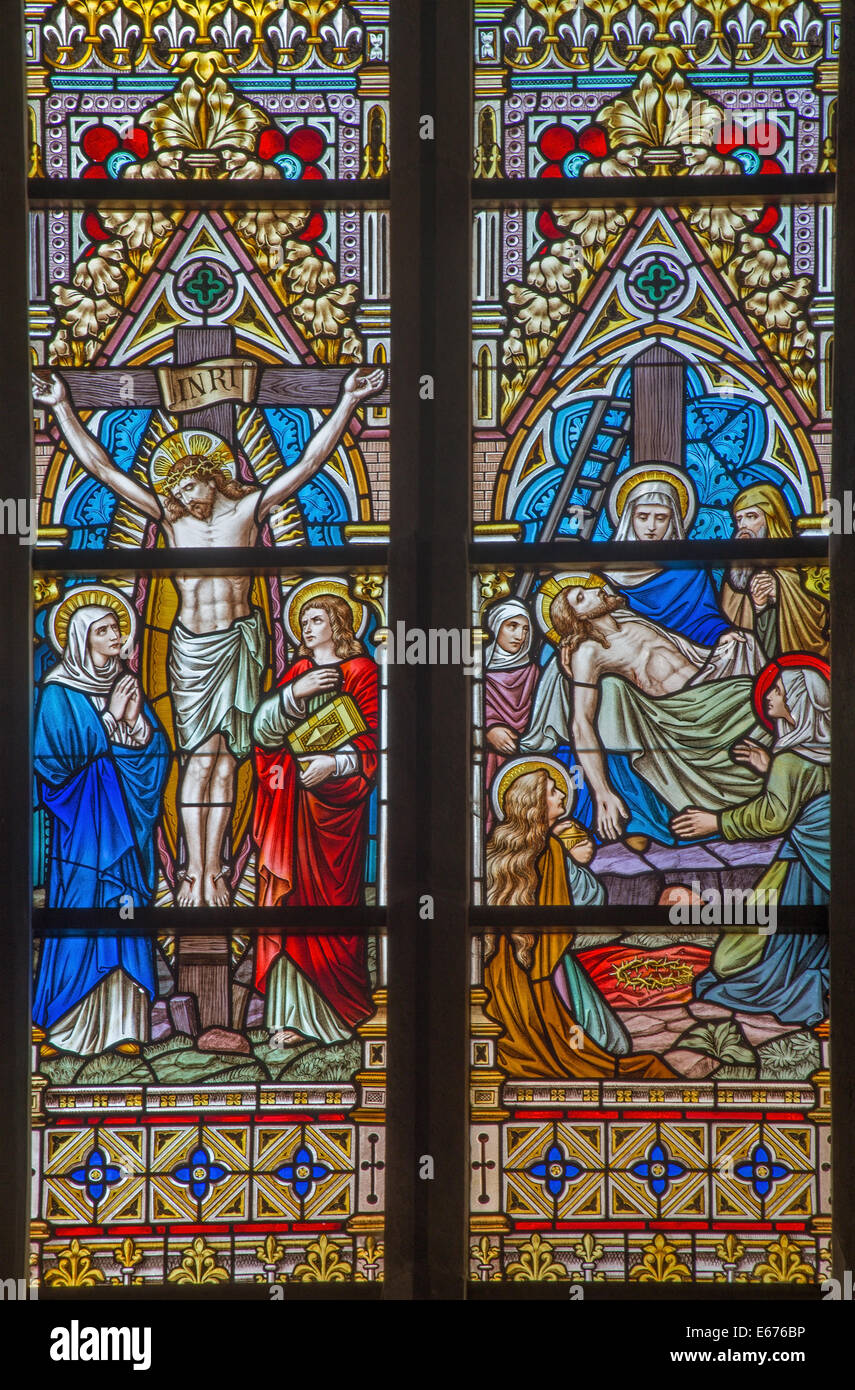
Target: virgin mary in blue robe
101,780
683,600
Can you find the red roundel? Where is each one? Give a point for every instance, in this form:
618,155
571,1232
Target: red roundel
93,229
98,142
770,674
311,171
593,139
270,143
95,171
306,144
556,142
315,227
547,228
137,142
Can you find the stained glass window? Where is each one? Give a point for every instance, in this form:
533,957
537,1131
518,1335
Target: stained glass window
212,89
651,376
205,734
165,1153
667,1116
612,343
255,338
650,700
287,897
210,783
609,89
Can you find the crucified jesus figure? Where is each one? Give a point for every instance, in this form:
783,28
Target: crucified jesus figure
218,642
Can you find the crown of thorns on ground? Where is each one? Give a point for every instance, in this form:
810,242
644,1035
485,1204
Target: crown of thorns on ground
184,455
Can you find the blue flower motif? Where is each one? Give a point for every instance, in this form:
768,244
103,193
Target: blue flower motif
761,1171
290,165
96,1175
657,1169
555,1171
200,1173
304,1172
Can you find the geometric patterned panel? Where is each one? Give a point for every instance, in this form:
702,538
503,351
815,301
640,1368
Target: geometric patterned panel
268,1182
565,90
309,83
666,1180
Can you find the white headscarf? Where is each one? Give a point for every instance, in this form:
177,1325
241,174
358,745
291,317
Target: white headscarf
809,701
497,658
77,669
652,493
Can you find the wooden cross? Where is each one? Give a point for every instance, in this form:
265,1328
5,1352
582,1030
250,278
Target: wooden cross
93,388
658,406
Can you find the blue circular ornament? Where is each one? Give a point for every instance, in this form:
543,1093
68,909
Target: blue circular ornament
117,161
290,165
748,158
574,163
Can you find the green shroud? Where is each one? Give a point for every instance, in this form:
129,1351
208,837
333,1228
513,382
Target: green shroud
681,743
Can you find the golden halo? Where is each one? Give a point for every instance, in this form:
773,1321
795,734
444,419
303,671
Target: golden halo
582,579
62,613
653,473
517,767
179,444
303,593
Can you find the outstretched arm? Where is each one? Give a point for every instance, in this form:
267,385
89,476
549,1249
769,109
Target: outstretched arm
361,383
611,812
52,392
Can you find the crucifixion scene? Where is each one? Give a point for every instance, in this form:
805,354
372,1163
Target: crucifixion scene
211,738
195,408
218,643
296,818
211,410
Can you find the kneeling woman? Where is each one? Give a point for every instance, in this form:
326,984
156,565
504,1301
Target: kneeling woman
780,974
556,1021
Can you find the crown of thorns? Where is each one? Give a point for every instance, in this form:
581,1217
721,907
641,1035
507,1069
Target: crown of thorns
184,455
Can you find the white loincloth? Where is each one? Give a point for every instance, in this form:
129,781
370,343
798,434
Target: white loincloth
215,682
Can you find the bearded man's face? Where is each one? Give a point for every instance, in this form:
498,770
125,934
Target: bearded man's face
606,603
750,524
577,603
198,496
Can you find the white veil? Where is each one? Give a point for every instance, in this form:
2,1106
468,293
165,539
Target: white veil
809,701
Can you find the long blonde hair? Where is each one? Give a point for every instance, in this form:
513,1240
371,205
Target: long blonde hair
517,842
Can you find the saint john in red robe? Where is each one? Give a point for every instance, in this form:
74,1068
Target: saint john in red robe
312,843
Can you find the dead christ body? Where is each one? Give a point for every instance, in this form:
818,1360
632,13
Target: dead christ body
675,707
217,643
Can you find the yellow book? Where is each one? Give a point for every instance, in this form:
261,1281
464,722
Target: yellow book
335,723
